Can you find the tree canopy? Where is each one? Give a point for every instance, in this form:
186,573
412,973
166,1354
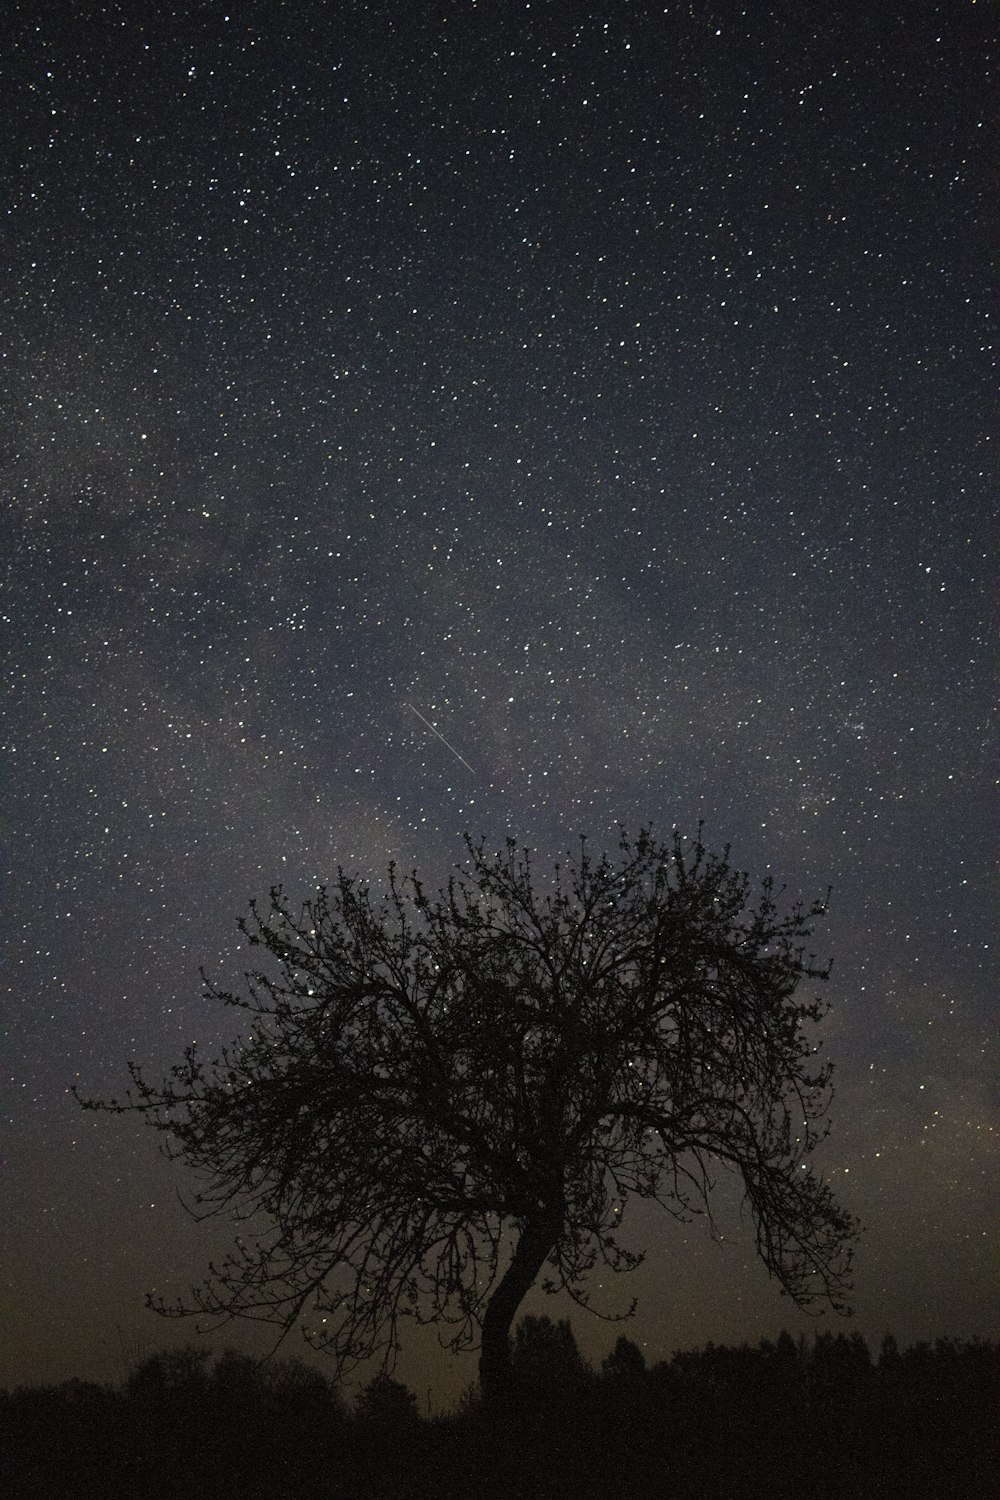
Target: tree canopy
440,1098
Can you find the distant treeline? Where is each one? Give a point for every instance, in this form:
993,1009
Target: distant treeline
790,1420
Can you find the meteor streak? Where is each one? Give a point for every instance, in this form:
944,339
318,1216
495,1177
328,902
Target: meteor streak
441,737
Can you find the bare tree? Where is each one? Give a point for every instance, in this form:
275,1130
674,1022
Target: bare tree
440,1098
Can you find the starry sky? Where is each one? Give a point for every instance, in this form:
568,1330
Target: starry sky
521,418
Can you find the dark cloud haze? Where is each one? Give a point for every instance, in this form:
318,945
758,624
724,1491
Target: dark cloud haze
609,389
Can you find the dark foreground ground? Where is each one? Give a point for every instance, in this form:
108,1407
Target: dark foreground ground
784,1421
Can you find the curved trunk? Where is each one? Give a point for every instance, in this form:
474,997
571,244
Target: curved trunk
537,1240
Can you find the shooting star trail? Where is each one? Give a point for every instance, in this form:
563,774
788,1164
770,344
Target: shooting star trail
444,742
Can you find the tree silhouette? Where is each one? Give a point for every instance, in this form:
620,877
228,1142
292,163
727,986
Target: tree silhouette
545,1357
625,1362
441,1097
387,1402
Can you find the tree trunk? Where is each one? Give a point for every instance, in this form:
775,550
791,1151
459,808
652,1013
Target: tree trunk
537,1239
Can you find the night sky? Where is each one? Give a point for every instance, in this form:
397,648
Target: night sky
610,390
